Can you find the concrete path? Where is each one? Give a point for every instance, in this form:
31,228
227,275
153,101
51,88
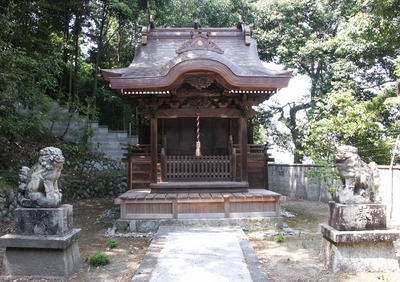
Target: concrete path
179,253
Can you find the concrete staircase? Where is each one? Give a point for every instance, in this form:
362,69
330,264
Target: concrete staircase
109,142
103,139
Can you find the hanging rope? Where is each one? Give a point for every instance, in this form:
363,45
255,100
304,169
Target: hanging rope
198,146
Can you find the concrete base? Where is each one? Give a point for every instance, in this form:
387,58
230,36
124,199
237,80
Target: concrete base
359,251
42,263
41,256
152,225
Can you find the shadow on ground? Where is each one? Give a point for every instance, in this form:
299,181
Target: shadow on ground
297,258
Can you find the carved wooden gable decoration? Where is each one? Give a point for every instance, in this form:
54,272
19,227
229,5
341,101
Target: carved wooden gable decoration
206,59
199,42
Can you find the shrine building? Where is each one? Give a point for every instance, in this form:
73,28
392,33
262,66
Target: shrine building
194,89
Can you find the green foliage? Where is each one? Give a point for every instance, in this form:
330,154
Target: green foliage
75,153
11,179
332,190
263,128
181,13
99,259
368,125
279,238
343,46
112,243
324,172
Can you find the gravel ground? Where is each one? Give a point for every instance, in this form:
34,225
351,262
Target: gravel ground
297,258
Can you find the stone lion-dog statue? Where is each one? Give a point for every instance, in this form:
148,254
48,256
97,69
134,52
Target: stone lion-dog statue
360,180
38,186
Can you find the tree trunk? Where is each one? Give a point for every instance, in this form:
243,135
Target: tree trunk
77,31
92,102
295,131
64,75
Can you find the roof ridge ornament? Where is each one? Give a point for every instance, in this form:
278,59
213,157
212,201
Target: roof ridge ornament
199,41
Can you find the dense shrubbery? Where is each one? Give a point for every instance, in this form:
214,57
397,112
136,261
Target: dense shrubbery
85,174
92,179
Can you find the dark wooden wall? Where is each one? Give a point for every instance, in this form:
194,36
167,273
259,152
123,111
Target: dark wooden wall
180,136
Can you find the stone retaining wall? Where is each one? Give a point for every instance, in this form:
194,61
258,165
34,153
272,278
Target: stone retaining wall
293,181
70,125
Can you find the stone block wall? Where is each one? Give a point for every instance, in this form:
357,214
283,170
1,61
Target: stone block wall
390,193
292,180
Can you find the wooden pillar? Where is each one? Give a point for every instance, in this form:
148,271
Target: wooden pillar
265,171
153,149
129,172
243,146
140,129
233,164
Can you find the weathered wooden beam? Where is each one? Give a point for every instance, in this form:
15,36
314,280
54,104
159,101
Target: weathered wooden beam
153,149
243,147
218,112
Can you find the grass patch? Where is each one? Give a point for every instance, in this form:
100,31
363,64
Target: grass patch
99,259
279,238
112,243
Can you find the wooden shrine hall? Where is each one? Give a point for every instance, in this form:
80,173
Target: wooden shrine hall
194,89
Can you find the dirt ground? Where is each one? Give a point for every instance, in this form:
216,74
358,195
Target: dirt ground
297,257
124,259
294,259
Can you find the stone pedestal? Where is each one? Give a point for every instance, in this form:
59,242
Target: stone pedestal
345,217
356,239
44,246
44,221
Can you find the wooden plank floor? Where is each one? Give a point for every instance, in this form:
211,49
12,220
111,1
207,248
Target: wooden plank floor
146,205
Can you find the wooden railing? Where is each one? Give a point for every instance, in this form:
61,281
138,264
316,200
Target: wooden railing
192,168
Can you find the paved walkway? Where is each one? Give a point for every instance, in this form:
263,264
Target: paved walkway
200,254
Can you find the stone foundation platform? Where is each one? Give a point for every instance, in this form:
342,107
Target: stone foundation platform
359,251
202,205
45,245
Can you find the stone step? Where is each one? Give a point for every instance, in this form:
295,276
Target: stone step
94,125
109,145
102,129
110,137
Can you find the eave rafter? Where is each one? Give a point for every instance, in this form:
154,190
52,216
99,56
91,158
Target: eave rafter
176,75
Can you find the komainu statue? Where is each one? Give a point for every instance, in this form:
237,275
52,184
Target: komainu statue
360,180
38,186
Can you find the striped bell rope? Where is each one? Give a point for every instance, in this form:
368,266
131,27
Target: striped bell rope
198,146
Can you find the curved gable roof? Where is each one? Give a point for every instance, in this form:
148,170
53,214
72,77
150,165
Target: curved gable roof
166,54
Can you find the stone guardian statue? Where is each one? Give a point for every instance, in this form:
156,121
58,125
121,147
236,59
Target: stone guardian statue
360,180
38,186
